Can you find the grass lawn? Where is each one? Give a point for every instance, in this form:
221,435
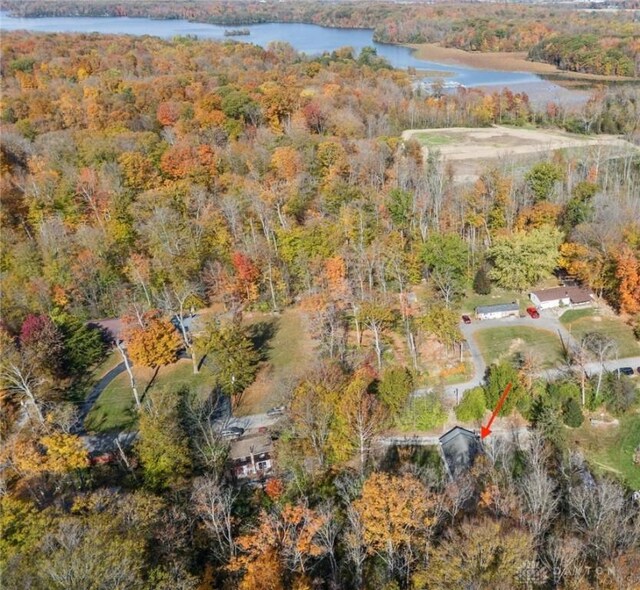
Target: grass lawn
582,321
610,449
114,409
498,343
287,353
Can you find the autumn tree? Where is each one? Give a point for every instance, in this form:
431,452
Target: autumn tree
41,343
397,514
444,324
180,300
628,275
484,552
285,540
153,344
524,258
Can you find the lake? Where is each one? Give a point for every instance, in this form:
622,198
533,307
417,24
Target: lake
310,39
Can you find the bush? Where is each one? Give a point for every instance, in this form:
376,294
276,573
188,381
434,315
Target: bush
572,413
423,413
394,388
472,406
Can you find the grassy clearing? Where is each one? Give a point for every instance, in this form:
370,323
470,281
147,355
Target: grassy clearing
498,343
115,408
433,139
582,321
610,450
287,353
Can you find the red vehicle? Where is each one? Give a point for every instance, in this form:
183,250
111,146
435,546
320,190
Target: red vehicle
533,312
466,319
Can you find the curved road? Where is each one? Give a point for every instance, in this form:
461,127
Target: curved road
550,324
544,322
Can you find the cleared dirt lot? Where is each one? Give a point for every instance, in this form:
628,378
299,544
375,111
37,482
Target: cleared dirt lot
470,149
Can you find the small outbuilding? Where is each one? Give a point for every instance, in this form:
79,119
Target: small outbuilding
500,310
561,297
459,448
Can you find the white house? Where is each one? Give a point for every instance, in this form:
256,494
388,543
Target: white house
561,297
494,312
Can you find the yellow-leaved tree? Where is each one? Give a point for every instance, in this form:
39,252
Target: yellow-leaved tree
397,514
65,453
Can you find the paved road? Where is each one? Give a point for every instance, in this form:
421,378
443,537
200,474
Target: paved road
94,394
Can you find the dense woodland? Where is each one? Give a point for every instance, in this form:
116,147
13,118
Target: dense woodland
598,43
142,178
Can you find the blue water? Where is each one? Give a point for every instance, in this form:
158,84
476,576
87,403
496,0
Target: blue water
310,39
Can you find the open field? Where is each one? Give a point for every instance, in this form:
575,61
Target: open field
582,321
498,343
469,150
609,450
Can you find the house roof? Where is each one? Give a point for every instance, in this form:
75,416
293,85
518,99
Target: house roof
575,294
459,448
112,328
497,308
250,445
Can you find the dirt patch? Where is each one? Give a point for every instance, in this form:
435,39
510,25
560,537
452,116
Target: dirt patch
469,149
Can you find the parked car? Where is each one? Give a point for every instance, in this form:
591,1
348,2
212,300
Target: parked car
232,432
277,411
466,319
626,371
533,312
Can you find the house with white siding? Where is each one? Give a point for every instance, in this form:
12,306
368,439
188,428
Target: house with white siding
561,297
500,310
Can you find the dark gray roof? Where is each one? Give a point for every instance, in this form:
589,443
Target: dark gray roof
498,307
459,448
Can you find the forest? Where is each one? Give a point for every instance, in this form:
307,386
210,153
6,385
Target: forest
597,43
147,180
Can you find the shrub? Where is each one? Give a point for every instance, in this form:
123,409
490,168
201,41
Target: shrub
472,406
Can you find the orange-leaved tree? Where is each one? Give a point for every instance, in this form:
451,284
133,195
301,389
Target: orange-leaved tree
628,275
153,342
283,540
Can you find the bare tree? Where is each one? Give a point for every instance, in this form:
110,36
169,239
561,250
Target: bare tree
603,348
327,538
19,379
177,300
213,503
355,546
538,489
210,449
602,515
119,346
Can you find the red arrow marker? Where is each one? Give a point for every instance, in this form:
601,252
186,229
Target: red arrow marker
486,430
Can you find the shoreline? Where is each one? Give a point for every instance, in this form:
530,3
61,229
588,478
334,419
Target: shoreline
503,61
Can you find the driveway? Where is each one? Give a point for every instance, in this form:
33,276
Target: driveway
546,321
